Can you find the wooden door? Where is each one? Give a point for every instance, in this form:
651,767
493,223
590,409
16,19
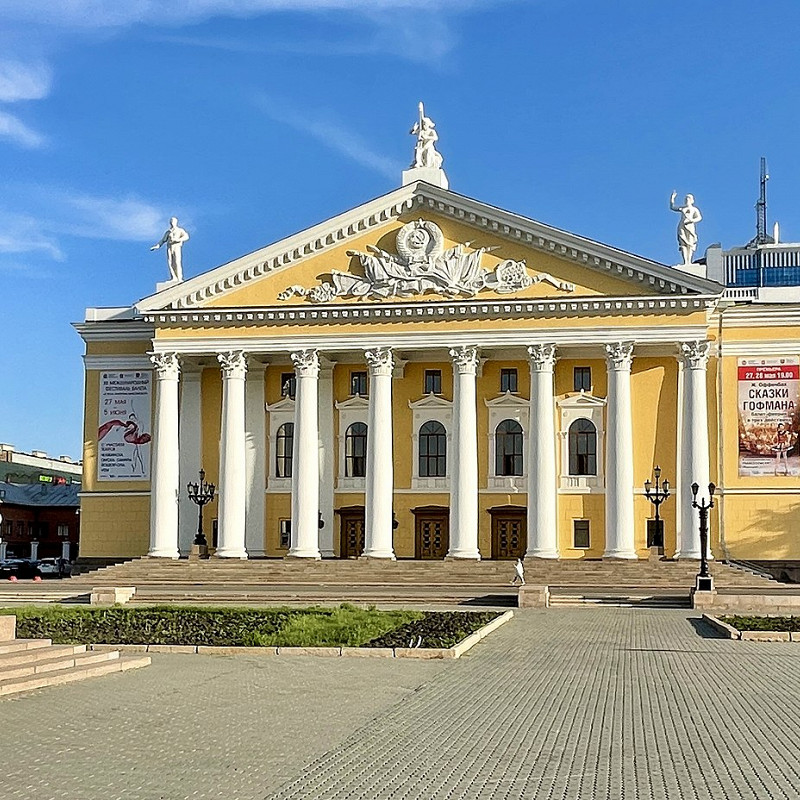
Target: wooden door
509,533
432,533
352,532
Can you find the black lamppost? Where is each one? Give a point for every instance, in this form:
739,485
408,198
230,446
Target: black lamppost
704,582
657,495
200,493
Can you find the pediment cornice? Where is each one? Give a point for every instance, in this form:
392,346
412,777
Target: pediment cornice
417,197
430,401
581,400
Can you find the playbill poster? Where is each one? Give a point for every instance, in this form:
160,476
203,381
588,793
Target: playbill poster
123,433
769,418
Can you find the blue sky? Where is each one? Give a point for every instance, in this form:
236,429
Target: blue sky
251,119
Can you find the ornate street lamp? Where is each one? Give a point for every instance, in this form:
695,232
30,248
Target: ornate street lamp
657,495
200,493
704,582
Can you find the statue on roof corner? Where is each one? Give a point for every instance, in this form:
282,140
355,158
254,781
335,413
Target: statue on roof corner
425,153
173,238
687,230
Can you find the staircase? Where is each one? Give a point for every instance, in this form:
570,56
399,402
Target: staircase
28,664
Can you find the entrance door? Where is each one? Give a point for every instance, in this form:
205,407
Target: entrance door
432,528
352,532
509,532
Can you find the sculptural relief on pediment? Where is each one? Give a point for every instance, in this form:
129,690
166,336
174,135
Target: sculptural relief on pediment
422,265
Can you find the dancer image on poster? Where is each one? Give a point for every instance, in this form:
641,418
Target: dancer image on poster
782,444
131,436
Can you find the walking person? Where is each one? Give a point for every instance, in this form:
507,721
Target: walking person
519,573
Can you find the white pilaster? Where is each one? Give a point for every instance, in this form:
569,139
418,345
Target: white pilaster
380,470
542,488
164,475
255,459
620,542
190,456
464,481
232,459
305,469
34,551
694,463
327,461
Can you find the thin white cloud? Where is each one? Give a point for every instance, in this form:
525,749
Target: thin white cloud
20,81
333,135
14,128
123,219
25,233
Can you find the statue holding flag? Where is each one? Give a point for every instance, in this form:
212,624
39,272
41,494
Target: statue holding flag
425,153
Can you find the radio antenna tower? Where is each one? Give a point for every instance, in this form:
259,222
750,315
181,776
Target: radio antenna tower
761,208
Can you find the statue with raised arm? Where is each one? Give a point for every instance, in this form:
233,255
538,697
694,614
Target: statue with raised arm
687,230
173,238
425,153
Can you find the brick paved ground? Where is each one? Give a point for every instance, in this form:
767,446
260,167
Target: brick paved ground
591,704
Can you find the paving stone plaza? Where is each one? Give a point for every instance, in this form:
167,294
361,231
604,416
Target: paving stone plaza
560,703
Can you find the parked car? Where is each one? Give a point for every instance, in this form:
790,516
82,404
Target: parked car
54,567
21,567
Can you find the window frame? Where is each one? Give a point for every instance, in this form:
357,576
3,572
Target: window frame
435,376
582,464
282,458
358,378
501,454
586,527
578,376
355,463
509,378
288,385
437,432
284,533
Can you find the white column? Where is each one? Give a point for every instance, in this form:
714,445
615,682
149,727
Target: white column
542,487
619,453
380,469
305,466
34,551
327,463
232,460
65,554
694,466
3,547
190,438
255,459
164,475
464,480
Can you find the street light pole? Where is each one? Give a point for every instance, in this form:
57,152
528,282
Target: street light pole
657,495
200,493
704,582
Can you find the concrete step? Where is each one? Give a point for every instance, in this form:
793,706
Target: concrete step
622,601
39,654
17,645
57,663
76,673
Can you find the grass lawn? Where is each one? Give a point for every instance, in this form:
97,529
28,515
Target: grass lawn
345,625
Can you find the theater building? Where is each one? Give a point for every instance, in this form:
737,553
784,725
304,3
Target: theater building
427,376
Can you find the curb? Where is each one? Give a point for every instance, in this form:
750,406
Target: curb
456,651
750,636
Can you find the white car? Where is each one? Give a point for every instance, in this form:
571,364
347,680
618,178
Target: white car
57,567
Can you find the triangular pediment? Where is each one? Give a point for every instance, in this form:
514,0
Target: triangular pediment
424,243
284,404
507,400
582,400
430,401
356,402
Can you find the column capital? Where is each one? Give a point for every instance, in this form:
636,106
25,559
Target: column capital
306,363
167,366
380,360
619,356
542,357
465,359
694,354
234,364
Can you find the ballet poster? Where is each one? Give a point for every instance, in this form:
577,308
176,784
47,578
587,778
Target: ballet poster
123,434
769,416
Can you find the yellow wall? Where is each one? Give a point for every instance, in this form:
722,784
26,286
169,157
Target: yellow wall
114,526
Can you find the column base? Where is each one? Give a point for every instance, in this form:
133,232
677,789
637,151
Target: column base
378,555
314,555
691,555
173,554
463,555
628,555
232,553
549,554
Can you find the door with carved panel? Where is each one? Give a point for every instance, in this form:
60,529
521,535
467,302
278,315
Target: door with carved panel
509,533
352,532
432,532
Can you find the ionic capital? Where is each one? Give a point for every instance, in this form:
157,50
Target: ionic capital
542,357
234,364
306,363
695,354
465,359
619,356
167,366
380,360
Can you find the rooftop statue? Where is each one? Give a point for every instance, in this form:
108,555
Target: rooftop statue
687,231
425,153
173,238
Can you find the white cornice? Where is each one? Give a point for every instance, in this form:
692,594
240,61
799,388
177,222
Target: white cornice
118,362
419,196
770,347
750,316
121,330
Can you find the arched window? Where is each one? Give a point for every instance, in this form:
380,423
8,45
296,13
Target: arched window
582,448
355,450
432,450
284,448
508,448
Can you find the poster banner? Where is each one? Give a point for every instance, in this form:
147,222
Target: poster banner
123,435
769,416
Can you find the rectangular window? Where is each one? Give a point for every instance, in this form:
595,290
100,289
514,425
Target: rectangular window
286,534
433,381
508,380
358,384
580,534
288,384
20,529
63,531
582,379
